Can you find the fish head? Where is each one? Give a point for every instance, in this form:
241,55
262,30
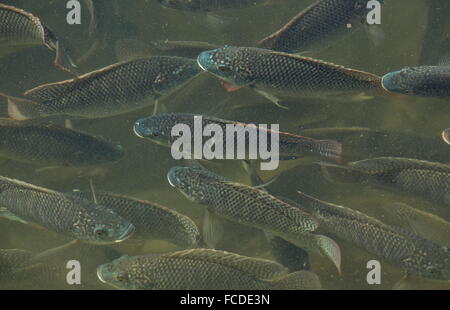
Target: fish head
124,273
189,181
407,81
99,225
232,64
156,128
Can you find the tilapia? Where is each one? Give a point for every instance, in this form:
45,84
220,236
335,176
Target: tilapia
127,49
276,74
426,81
252,207
202,269
151,220
209,5
54,146
71,216
18,27
428,179
424,224
158,128
322,22
113,90
446,135
413,253
361,143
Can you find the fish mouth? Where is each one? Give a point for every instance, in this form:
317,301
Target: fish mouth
127,234
139,129
171,177
388,82
100,273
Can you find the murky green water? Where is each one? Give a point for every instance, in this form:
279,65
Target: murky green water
413,30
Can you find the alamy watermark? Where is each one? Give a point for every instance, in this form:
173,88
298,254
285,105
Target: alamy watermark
239,141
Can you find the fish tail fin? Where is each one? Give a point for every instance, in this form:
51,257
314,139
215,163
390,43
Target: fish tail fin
329,248
300,280
21,109
64,61
330,149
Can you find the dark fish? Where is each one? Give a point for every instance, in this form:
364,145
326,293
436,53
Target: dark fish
279,74
127,49
158,129
151,220
18,27
401,248
446,135
113,90
71,216
424,224
427,81
361,143
323,21
428,179
209,5
202,269
54,146
252,207
289,255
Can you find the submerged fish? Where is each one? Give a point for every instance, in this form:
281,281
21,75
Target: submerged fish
209,5
280,74
428,179
54,146
323,21
71,216
414,254
113,90
422,223
18,27
446,135
361,143
428,81
151,220
202,269
158,128
252,207
289,255
127,49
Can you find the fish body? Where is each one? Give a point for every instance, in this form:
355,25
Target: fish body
18,27
321,22
289,255
282,74
113,90
426,81
411,252
209,5
158,128
151,220
252,207
54,146
202,269
71,216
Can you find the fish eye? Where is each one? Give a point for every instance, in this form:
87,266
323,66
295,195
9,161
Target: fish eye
224,69
101,232
120,278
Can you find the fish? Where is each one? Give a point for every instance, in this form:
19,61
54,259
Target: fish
289,255
430,180
322,22
446,135
202,269
362,143
252,207
53,145
276,74
151,220
424,224
19,27
127,49
209,5
70,216
158,129
110,91
423,81
401,248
